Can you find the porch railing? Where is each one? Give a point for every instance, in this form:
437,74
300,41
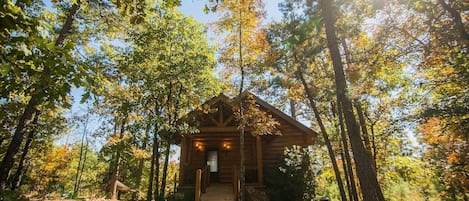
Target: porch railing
236,182
202,180
251,178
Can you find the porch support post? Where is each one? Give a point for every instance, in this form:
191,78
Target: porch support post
198,180
260,165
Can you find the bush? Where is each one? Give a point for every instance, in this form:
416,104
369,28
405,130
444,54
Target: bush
8,195
293,178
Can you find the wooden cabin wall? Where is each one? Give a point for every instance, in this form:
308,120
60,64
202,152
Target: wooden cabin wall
227,159
220,126
273,146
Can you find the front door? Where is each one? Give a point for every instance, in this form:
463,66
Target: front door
212,161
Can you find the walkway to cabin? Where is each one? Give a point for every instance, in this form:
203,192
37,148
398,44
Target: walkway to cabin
218,192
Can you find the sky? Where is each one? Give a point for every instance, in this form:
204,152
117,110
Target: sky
194,8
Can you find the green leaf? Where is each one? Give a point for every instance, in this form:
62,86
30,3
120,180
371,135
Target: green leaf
25,49
50,45
316,22
85,97
206,9
5,69
297,38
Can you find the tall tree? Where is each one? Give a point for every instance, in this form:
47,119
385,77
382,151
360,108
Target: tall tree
349,170
369,185
82,156
241,22
324,134
444,63
294,44
43,89
174,77
17,177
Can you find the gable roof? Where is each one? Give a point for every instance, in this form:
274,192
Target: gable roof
290,120
284,116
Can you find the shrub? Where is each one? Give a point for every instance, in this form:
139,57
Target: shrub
293,178
8,195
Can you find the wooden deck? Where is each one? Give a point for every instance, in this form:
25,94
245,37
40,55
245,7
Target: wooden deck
218,192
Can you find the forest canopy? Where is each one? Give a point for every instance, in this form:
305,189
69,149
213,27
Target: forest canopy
94,92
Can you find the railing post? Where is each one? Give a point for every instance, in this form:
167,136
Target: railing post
208,175
198,178
204,180
236,184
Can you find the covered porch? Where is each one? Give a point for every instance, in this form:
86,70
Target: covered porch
207,191
218,150
212,157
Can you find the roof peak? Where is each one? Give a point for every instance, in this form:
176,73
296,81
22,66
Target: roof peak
269,108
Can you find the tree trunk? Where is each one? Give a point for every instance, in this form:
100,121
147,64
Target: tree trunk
83,165
363,127
165,168
36,99
242,170
457,20
357,104
110,169
347,177
353,186
157,170
16,181
373,145
80,160
118,157
292,108
141,163
23,124
67,27
324,135
369,184
152,168
172,121
343,137
123,175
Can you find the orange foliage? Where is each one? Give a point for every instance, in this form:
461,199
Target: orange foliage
449,148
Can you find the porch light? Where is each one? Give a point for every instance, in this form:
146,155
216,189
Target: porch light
199,146
226,146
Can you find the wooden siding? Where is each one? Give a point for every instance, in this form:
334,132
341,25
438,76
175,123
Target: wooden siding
273,146
218,128
226,158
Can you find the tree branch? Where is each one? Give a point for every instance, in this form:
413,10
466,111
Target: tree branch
457,20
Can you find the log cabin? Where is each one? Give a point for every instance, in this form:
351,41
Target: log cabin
216,146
